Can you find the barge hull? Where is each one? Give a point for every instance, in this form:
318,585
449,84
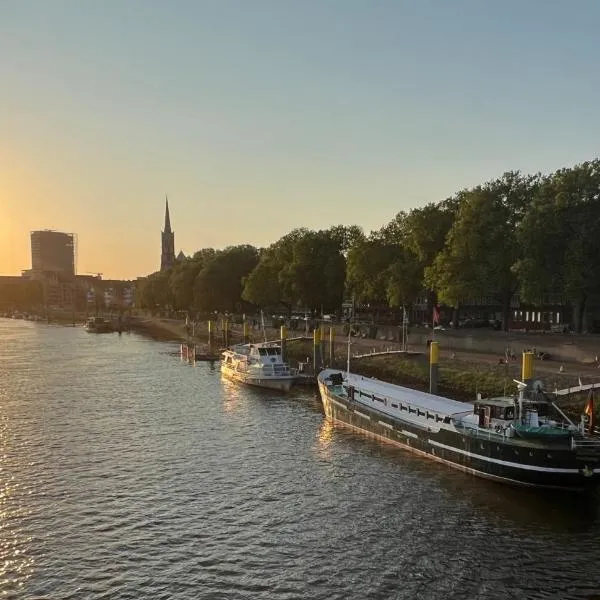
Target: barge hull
480,456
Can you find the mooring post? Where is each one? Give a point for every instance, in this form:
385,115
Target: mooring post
283,335
331,345
316,348
323,342
246,334
527,368
210,336
433,367
226,333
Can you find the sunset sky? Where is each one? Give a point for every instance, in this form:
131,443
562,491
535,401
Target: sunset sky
260,116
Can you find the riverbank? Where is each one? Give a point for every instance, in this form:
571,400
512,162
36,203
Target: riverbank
462,374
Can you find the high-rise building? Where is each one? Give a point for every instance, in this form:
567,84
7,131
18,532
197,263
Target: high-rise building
52,251
167,257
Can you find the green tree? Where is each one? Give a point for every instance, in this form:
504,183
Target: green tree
303,269
368,269
404,279
482,246
269,284
560,236
425,229
346,236
316,273
219,284
154,292
183,277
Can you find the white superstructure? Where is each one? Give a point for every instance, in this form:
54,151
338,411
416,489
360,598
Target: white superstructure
260,365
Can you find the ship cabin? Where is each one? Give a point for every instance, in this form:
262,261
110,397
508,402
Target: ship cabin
497,413
266,357
264,351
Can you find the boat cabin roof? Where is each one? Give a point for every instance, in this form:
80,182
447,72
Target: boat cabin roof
510,401
255,349
431,402
502,402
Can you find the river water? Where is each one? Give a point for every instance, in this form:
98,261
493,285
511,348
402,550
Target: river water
125,473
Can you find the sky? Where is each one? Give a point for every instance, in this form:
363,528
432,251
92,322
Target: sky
260,116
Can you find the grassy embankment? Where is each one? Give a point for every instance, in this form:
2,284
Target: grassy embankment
458,379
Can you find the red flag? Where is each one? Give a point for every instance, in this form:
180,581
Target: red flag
436,314
589,411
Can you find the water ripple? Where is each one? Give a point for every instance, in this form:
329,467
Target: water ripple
127,474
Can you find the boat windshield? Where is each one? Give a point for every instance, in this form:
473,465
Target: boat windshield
269,351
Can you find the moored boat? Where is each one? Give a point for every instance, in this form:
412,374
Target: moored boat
99,325
514,440
260,365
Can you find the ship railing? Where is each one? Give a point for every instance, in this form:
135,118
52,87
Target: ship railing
479,433
585,444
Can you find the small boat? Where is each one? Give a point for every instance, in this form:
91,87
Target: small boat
515,440
99,325
259,365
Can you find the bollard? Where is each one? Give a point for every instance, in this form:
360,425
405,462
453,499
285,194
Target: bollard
283,336
433,367
226,333
210,336
316,348
527,368
246,334
331,345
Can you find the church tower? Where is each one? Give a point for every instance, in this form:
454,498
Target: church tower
167,258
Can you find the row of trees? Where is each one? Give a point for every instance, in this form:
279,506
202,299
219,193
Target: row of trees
526,234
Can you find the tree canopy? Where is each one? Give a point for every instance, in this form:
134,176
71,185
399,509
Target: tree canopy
518,233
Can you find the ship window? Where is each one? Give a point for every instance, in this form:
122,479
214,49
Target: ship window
482,446
446,419
517,452
531,453
403,407
548,455
394,405
430,415
497,447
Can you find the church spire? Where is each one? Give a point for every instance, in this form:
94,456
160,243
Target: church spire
167,218
167,257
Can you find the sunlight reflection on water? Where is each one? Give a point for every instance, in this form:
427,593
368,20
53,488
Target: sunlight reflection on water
125,473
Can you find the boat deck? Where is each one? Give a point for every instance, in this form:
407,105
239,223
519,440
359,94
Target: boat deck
415,398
